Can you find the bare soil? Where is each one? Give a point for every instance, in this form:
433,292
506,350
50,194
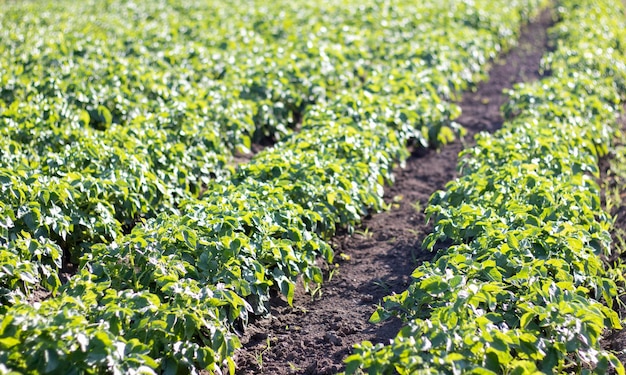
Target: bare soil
317,333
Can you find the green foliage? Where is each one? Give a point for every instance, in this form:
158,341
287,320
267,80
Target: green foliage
118,126
523,289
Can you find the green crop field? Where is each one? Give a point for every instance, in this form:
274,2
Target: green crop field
140,233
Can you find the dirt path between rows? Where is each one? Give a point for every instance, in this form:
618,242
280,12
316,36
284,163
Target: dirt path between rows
316,335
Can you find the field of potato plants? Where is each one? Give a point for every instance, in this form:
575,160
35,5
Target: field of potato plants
167,166
522,289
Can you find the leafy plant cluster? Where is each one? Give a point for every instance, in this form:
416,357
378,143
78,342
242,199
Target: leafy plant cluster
523,289
132,116
114,112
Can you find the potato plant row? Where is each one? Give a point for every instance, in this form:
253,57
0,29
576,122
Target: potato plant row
170,295
523,288
114,112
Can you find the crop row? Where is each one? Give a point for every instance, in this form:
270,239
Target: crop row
170,294
184,86
523,289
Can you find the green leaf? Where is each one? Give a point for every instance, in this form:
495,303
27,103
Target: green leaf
190,238
434,285
84,118
7,343
51,360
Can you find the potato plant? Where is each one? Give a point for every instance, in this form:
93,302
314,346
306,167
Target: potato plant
119,122
523,289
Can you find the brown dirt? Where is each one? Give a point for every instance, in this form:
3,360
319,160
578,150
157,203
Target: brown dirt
255,148
317,333
38,295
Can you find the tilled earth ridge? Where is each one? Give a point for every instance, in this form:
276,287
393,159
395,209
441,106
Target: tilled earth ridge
317,333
